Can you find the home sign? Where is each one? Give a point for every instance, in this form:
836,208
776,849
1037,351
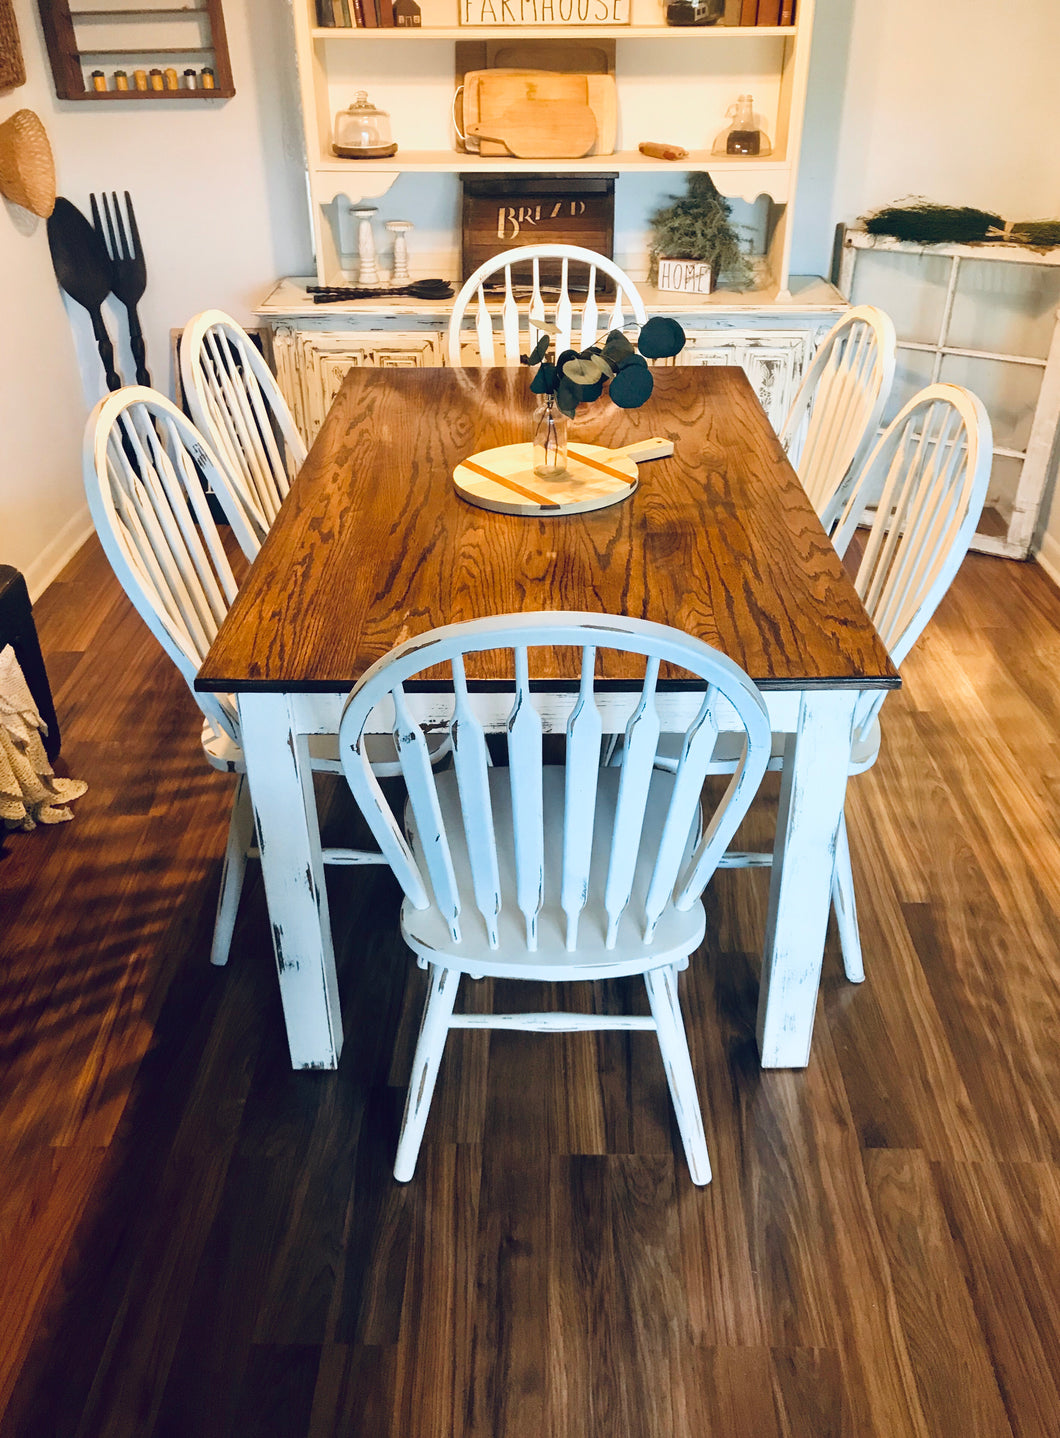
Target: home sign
496,14
686,277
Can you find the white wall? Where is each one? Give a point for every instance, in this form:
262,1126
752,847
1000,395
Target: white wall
953,99
220,203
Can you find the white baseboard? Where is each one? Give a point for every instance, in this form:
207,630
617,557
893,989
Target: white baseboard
58,553
1048,556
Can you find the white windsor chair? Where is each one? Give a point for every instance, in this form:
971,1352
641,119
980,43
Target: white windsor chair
584,326
928,477
236,403
835,415
145,465
568,871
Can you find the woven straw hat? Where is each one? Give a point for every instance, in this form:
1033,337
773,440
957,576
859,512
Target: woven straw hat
27,170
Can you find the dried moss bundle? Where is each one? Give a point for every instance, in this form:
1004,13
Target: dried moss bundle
933,224
696,227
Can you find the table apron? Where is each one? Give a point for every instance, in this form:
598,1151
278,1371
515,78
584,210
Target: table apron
320,713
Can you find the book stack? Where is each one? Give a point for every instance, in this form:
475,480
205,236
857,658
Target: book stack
763,12
369,14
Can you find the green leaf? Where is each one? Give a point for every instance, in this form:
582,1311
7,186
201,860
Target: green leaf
589,392
540,350
544,382
631,386
616,347
661,338
581,371
568,397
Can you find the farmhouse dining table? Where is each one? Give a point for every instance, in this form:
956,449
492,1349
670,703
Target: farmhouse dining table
373,545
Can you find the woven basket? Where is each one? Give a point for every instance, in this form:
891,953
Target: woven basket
27,170
12,67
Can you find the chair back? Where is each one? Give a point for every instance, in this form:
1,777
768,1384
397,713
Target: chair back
236,403
928,478
590,870
834,417
575,328
145,469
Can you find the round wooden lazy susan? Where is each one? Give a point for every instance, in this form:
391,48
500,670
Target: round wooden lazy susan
504,480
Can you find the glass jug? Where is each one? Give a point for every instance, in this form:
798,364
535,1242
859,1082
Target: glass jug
743,136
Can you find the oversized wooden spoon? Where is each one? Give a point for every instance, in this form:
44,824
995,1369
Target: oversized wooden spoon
82,267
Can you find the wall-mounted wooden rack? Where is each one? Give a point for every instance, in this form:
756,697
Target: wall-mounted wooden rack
136,37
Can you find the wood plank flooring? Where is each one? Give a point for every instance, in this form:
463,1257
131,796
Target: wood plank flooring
194,1240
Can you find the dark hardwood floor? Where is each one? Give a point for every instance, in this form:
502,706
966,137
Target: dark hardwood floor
194,1240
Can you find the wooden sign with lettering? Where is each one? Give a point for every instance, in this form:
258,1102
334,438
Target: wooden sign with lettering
496,14
686,277
503,213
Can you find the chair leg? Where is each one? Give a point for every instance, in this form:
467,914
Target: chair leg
434,1030
666,1011
845,909
240,838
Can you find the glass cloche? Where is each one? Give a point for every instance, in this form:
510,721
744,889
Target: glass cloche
362,132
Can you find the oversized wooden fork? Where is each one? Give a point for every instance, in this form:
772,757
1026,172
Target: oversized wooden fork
129,269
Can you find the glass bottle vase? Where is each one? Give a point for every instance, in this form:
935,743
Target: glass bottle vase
550,441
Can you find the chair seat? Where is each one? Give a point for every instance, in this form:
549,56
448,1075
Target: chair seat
677,933
726,755
865,749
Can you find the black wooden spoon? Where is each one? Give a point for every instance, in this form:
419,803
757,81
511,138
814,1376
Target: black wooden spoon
82,267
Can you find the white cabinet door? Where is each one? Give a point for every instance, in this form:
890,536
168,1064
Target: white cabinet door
772,360
311,364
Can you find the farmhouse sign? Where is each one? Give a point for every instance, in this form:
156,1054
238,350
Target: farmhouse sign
496,14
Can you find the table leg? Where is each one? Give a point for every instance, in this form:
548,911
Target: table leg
812,790
281,791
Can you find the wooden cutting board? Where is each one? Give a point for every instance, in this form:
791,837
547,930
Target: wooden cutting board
504,480
488,93
499,90
542,130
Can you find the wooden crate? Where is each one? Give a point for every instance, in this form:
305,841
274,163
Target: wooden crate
502,212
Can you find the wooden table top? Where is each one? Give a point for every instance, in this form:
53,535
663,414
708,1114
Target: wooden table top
373,545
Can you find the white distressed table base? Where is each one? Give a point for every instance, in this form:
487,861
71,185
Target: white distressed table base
281,790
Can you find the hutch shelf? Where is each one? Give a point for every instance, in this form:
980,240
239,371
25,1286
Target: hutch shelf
671,83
